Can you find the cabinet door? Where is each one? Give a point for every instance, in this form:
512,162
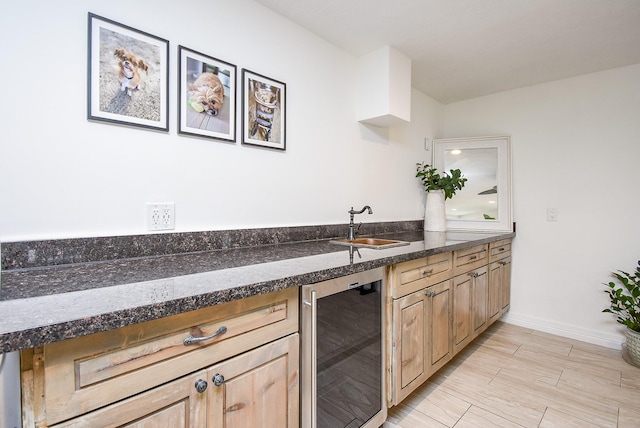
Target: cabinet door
480,300
440,348
177,404
495,291
462,295
409,344
258,388
505,284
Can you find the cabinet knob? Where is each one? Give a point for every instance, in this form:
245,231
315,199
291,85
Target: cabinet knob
201,385
430,293
218,379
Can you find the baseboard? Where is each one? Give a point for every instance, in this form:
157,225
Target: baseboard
612,341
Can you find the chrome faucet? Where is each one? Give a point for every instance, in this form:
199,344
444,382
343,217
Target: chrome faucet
352,230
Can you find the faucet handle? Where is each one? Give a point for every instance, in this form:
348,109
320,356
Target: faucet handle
357,229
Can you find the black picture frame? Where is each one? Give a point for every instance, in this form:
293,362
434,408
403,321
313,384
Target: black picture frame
263,111
136,94
206,96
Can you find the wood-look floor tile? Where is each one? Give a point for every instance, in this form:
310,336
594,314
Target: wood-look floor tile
568,399
629,417
402,416
478,417
439,405
556,419
546,347
597,358
502,401
521,372
589,382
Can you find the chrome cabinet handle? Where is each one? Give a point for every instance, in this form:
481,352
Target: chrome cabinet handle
191,340
218,379
201,385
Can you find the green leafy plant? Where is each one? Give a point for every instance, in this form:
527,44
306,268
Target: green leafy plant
625,298
449,182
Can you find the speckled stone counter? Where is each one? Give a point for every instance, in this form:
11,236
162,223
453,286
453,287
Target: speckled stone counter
56,290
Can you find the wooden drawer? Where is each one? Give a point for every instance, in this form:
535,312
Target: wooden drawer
89,372
413,275
469,259
499,250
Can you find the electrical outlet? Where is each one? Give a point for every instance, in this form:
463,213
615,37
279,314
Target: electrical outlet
552,214
161,292
161,216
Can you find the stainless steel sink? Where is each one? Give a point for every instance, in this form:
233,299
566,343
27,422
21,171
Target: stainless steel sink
375,243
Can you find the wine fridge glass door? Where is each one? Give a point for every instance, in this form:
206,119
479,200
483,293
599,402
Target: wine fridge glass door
346,377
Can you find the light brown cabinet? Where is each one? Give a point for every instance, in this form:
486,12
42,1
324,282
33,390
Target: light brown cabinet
471,295
470,306
255,389
439,325
150,374
499,279
421,323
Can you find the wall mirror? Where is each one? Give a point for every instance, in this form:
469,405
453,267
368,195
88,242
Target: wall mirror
485,201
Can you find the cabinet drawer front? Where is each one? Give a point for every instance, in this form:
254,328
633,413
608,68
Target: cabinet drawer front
470,258
499,250
89,372
176,404
416,274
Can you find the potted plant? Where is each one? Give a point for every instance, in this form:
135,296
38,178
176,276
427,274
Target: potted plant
625,304
439,188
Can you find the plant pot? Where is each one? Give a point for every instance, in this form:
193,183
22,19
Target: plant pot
435,219
633,346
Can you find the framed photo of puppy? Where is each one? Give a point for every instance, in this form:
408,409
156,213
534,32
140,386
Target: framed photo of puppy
263,111
128,75
207,96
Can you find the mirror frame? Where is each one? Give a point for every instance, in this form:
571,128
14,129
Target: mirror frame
505,210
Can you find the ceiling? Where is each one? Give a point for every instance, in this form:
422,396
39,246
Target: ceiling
462,49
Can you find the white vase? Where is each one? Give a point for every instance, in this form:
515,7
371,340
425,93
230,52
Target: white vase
434,216
633,346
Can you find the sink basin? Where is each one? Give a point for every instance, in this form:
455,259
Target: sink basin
375,243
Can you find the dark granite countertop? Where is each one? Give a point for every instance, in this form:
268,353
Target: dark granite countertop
48,302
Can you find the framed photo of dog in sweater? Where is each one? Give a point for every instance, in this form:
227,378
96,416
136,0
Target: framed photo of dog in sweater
207,96
263,111
127,75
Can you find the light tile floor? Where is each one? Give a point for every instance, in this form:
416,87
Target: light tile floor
512,376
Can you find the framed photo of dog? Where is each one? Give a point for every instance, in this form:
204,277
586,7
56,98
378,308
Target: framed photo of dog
263,111
128,75
207,96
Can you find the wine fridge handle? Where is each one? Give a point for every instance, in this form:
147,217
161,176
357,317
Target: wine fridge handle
314,360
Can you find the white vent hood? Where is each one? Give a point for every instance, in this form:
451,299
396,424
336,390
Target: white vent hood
384,88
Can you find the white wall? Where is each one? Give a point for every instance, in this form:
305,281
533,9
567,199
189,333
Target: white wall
576,147
63,176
